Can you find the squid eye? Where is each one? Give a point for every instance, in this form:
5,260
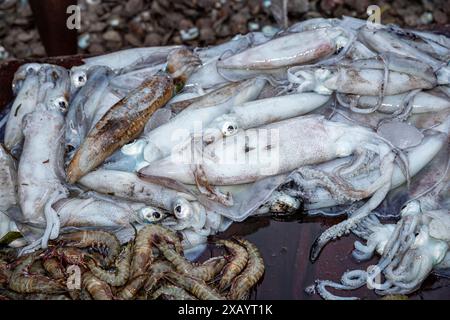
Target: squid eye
229,129
156,215
150,215
178,209
61,103
79,79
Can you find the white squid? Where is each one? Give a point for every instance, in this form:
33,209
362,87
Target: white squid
40,172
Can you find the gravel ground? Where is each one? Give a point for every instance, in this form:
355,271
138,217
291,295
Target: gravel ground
111,25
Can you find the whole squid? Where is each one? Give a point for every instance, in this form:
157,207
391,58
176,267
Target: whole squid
126,119
24,103
40,172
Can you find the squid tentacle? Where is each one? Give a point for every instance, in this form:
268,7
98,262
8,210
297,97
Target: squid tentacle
344,227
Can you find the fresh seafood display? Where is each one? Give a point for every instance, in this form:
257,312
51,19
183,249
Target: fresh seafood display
116,175
162,274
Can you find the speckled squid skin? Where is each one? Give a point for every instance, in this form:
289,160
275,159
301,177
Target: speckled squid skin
120,125
8,180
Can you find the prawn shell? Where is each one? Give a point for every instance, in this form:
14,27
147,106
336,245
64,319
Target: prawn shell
251,274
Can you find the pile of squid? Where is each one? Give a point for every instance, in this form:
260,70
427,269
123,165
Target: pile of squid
93,265
328,117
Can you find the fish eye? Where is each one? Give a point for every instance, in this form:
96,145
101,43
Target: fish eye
178,208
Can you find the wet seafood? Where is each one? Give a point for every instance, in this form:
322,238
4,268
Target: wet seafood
293,49
330,117
95,212
54,268
156,272
8,182
98,289
206,272
40,171
122,269
297,142
126,119
252,273
237,263
358,80
264,111
161,141
196,287
102,240
83,106
121,61
143,249
172,292
128,116
129,186
25,102
23,282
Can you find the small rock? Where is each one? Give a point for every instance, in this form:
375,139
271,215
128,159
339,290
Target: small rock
96,48
203,23
146,16
426,18
6,5
224,31
253,26
152,39
137,28
3,53
185,24
115,21
84,41
24,10
25,36
440,17
267,3
189,34
93,2
133,40
38,50
207,35
238,23
98,27
133,7
112,36
329,5
298,6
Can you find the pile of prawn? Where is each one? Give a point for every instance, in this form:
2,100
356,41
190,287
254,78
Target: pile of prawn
328,117
93,265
